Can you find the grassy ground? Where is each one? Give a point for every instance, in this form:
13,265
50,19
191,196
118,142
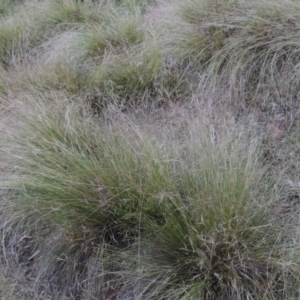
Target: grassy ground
149,149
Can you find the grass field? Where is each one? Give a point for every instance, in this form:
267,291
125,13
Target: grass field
149,149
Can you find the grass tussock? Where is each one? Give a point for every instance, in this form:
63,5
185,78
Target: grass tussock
83,150
128,78
203,220
110,203
71,13
149,150
248,47
217,236
21,31
62,76
7,6
95,39
14,39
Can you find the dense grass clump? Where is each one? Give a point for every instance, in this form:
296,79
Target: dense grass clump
71,13
81,185
251,48
93,182
14,39
6,6
149,149
133,77
116,33
219,229
204,222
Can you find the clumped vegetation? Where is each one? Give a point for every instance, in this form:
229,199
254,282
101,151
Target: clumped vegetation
149,149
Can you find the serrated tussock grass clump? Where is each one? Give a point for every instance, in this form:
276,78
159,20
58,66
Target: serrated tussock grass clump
86,169
93,183
23,30
192,35
221,237
7,6
100,51
249,48
13,39
70,13
62,76
30,24
131,76
199,221
128,79
107,194
116,33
